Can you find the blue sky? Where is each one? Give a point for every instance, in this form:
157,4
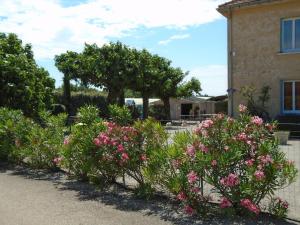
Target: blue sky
189,32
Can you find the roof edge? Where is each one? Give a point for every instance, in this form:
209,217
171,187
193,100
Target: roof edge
226,7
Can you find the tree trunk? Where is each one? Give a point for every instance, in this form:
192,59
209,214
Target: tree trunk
145,107
167,108
111,98
121,98
67,93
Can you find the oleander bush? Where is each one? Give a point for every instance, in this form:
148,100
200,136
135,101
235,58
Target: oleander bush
14,131
77,155
45,141
120,114
239,158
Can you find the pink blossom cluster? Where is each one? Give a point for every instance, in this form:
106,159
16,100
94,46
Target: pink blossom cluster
257,120
203,148
230,181
282,203
225,203
242,137
181,196
192,177
242,108
189,210
67,140
265,159
259,175
249,162
57,160
191,151
248,204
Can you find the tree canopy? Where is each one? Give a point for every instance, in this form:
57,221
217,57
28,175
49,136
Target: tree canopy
23,84
117,68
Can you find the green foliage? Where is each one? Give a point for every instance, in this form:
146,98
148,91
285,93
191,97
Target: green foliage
82,98
78,153
120,115
88,114
14,132
239,158
256,102
278,207
45,143
23,85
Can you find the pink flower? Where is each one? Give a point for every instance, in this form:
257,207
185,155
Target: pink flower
120,148
207,123
192,177
259,175
242,137
97,142
181,196
214,162
248,204
225,203
230,181
143,157
249,162
257,120
189,210
66,140
125,138
195,190
203,148
190,151
125,156
242,108
270,127
57,160
265,159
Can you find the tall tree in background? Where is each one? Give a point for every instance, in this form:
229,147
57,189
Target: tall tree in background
70,65
23,85
109,68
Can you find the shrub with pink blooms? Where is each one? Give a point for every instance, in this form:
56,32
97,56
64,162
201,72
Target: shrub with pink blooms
238,158
278,207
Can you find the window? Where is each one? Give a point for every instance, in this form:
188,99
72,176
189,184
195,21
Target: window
291,96
290,37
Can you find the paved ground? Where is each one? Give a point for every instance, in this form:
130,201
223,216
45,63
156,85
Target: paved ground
31,198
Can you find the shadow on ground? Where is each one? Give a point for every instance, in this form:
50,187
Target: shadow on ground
124,200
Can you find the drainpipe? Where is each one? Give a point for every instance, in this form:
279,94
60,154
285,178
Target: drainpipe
230,55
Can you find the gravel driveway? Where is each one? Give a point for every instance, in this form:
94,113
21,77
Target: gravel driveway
38,198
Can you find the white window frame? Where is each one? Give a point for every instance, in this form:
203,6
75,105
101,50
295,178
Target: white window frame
293,97
293,49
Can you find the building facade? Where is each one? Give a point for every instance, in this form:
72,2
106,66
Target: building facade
264,50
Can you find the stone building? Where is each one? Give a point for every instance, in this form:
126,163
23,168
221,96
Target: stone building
264,50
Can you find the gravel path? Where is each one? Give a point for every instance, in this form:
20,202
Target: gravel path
38,198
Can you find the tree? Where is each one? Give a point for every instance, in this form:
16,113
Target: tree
109,68
23,85
70,65
145,79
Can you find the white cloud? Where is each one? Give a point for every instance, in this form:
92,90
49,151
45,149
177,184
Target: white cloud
174,37
213,79
53,29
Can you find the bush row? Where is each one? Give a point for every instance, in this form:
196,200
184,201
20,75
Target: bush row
239,158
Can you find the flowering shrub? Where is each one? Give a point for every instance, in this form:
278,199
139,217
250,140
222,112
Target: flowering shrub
129,150
120,115
77,153
278,207
45,142
239,158
14,132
